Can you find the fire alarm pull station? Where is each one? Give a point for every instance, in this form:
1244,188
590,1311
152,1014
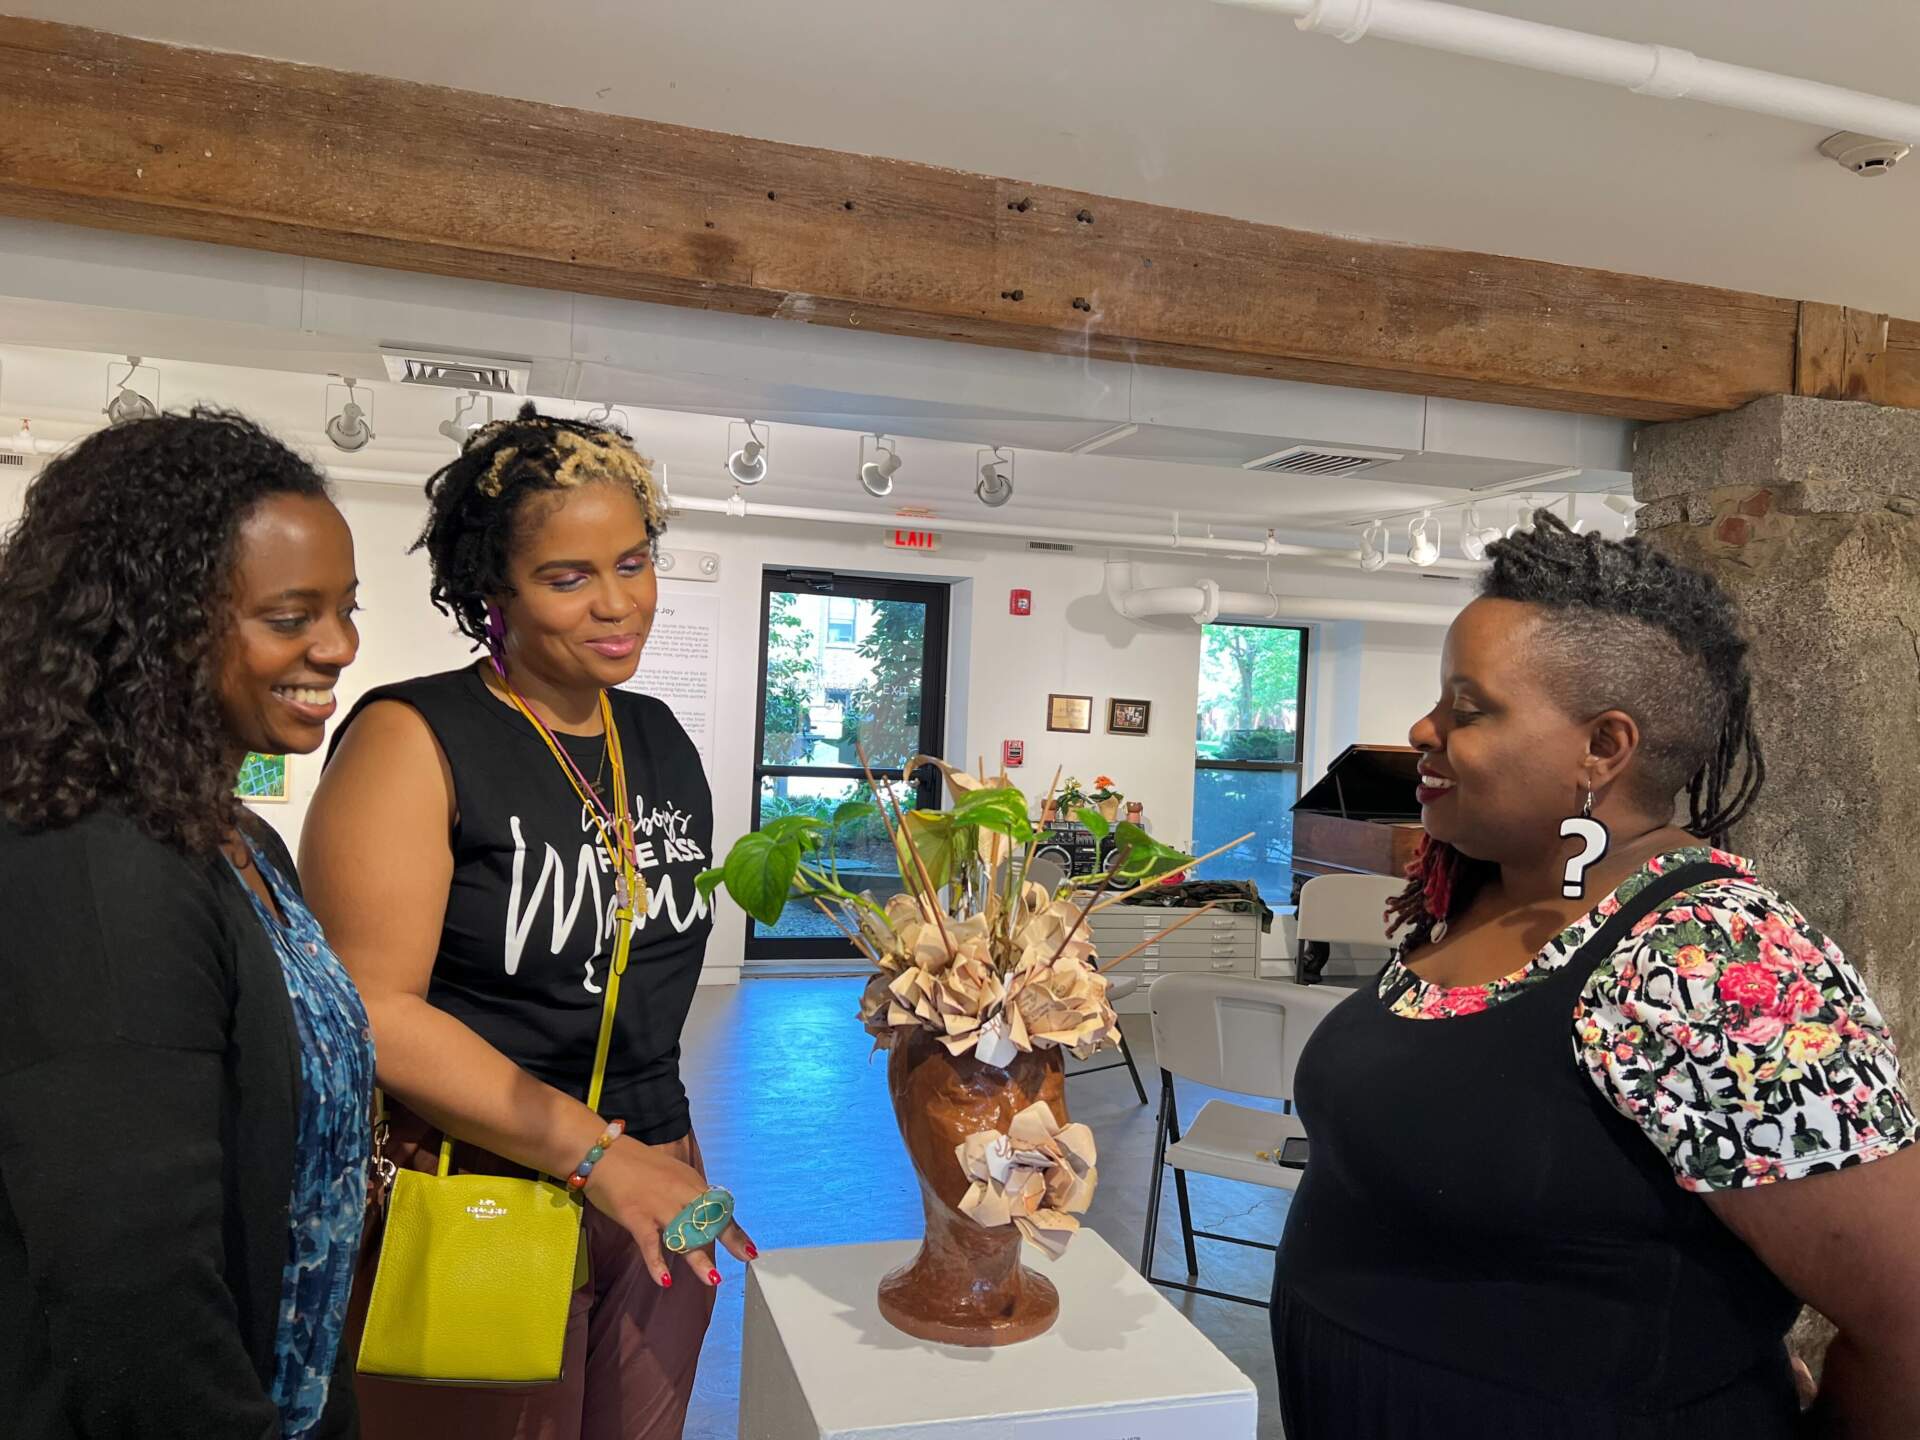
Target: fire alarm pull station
1013,753
1022,602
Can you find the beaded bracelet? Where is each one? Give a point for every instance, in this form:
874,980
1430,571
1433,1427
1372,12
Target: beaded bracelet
615,1129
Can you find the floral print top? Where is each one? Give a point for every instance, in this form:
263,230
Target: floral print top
1736,1036
330,1154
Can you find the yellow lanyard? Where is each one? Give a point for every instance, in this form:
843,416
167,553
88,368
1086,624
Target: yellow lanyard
630,888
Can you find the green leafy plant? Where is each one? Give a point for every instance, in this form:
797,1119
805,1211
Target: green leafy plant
939,854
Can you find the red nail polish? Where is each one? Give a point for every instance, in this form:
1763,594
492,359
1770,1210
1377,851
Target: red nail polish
666,1279
713,1277
753,1251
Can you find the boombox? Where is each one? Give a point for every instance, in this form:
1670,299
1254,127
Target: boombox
1072,847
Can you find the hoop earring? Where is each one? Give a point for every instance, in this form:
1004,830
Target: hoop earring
1595,839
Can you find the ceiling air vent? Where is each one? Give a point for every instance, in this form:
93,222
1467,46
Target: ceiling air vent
1322,460
1054,546
487,374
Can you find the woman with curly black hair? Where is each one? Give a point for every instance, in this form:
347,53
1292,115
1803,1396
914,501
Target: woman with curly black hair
483,844
185,1070
1596,1132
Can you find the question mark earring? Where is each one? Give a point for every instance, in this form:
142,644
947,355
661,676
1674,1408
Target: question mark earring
1594,837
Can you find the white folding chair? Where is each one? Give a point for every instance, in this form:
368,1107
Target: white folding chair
1341,910
1238,1035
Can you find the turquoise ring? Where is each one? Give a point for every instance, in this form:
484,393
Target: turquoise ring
701,1224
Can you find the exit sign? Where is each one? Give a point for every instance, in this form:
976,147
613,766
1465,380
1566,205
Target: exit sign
926,540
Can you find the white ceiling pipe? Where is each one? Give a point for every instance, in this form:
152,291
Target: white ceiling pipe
1205,602
1658,70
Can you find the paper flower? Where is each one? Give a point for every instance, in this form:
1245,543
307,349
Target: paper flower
942,976
1037,1175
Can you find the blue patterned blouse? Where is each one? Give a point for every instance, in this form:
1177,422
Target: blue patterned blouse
330,1155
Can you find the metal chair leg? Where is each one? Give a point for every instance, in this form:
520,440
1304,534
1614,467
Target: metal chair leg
1180,1185
1159,1163
1126,1054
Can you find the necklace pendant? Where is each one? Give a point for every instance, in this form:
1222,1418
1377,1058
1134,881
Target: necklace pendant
621,900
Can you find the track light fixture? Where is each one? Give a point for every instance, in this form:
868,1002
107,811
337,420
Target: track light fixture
748,464
1476,535
347,427
995,485
876,475
1423,539
125,403
603,414
1373,546
1522,517
456,427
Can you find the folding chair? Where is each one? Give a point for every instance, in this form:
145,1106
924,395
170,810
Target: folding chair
1238,1035
1341,910
1118,988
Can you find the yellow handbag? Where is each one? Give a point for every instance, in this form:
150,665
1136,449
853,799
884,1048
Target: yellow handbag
476,1272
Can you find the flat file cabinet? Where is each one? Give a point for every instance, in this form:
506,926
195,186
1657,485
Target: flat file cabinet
1220,942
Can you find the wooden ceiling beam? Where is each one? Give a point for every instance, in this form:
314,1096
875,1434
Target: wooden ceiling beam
102,130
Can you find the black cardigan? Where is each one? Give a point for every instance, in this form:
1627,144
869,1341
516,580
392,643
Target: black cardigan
148,1094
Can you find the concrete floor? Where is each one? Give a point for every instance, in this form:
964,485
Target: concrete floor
795,1120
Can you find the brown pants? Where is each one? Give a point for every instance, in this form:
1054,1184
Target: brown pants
631,1346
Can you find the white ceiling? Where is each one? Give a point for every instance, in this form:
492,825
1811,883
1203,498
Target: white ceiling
1186,103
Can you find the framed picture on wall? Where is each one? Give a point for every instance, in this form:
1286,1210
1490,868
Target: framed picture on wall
263,779
1070,712
1128,717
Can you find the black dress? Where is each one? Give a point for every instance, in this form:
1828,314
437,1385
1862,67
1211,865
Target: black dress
1482,1246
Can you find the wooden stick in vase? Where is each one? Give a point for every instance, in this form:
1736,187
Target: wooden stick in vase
926,878
858,943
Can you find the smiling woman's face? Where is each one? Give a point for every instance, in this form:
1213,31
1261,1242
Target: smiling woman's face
1502,760
581,567
292,630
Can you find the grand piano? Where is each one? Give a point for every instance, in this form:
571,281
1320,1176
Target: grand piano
1362,818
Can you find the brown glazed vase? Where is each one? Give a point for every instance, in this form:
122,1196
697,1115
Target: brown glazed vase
967,1285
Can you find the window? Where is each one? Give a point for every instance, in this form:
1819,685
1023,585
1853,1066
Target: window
822,700
842,619
1246,753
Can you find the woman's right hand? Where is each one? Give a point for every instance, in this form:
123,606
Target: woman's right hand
644,1187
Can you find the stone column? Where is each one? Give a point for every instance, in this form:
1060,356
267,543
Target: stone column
1808,512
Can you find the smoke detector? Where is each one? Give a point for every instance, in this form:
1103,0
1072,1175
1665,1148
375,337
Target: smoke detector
1864,154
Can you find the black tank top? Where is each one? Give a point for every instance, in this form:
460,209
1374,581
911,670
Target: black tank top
1472,1201
528,935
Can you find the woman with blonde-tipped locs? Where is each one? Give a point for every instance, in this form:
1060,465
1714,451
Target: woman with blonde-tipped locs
1587,1144
470,848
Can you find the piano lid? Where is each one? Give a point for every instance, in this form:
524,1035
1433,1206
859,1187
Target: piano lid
1368,782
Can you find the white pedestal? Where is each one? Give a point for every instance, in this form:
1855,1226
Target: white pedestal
819,1363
